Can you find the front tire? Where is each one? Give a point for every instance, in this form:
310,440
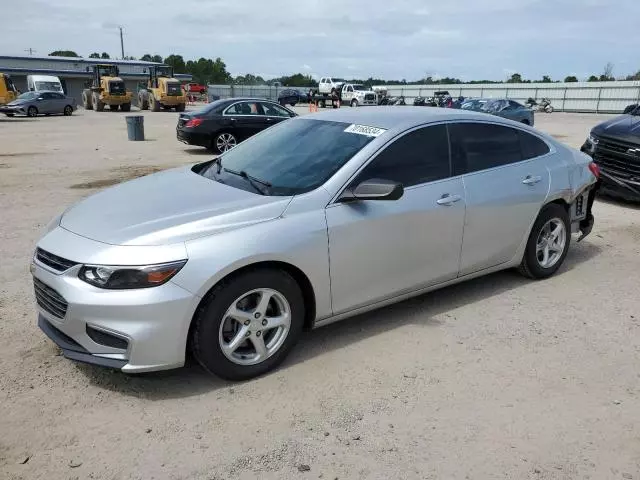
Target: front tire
32,112
154,105
246,326
354,103
548,243
68,111
97,103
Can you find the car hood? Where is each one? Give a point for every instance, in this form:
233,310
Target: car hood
624,127
17,103
168,207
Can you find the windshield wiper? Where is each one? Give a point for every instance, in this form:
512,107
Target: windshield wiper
253,181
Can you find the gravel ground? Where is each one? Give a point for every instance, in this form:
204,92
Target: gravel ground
500,377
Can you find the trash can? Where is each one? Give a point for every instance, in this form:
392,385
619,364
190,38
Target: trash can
135,127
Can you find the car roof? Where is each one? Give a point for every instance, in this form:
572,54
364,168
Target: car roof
399,117
247,99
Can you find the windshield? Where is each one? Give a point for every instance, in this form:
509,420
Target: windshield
294,157
360,88
163,72
28,96
49,86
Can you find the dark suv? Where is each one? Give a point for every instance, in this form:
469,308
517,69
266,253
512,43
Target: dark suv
615,146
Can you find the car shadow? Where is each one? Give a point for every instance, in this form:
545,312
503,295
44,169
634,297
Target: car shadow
199,151
421,310
17,119
619,202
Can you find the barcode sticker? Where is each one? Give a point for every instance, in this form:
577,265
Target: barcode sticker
365,130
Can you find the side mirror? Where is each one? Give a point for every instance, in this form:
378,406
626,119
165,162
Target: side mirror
374,189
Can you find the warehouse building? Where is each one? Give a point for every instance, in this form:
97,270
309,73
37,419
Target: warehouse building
74,73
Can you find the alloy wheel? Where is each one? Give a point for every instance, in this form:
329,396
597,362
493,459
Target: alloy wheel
551,242
225,142
255,326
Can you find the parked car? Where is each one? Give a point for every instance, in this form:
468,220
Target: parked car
509,109
314,220
615,147
473,104
33,104
289,96
195,88
223,124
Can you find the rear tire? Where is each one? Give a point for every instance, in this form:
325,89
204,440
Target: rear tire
125,107
68,111
223,142
354,103
181,107
143,102
86,101
213,327
551,217
154,105
32,112
97,103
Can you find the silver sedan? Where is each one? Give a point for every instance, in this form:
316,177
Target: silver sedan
314,220
33,104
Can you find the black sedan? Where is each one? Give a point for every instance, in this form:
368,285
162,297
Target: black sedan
291,96
222,124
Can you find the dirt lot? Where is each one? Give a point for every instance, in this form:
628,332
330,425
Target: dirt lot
500,377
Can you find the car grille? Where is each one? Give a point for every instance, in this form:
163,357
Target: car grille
370,96
49,300
611,155
55,262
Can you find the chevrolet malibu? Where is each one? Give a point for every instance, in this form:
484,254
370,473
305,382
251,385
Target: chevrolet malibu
314,220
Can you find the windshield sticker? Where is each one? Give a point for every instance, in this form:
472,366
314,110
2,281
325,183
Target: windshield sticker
365,130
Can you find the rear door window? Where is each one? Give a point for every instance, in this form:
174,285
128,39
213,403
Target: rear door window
480,146
274,110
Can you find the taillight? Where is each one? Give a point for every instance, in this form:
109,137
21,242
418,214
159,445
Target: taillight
595,169
194,122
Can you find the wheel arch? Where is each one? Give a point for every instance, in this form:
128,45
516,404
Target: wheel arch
303,281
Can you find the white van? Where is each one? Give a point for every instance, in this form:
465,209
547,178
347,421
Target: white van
39,83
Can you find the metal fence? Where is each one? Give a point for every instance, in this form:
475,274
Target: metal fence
215,92
590,97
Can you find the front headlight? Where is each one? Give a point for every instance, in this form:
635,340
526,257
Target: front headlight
124,278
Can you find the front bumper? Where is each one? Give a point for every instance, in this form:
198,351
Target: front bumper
612,183
133,330
14,110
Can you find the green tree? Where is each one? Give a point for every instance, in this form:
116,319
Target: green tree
515,78
94,55
151,58
64,53
571,78
635,76
177,62
546,79
105,55
593,78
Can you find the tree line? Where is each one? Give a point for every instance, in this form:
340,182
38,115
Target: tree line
210,71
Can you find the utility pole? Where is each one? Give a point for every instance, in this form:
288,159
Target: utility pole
121,43
31,51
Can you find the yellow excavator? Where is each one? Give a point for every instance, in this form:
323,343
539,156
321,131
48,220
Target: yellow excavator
106,88
162,91
8,91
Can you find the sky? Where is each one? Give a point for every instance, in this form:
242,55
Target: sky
390,39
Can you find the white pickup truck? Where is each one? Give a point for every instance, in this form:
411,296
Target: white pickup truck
328,85
358,95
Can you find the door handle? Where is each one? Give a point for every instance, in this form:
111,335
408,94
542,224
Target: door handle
269,119
529,180
448,200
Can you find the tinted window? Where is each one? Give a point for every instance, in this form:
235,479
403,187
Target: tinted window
418,157
244,108
294,156
274,110
478,146
514,105
57,96
47,95
532,146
